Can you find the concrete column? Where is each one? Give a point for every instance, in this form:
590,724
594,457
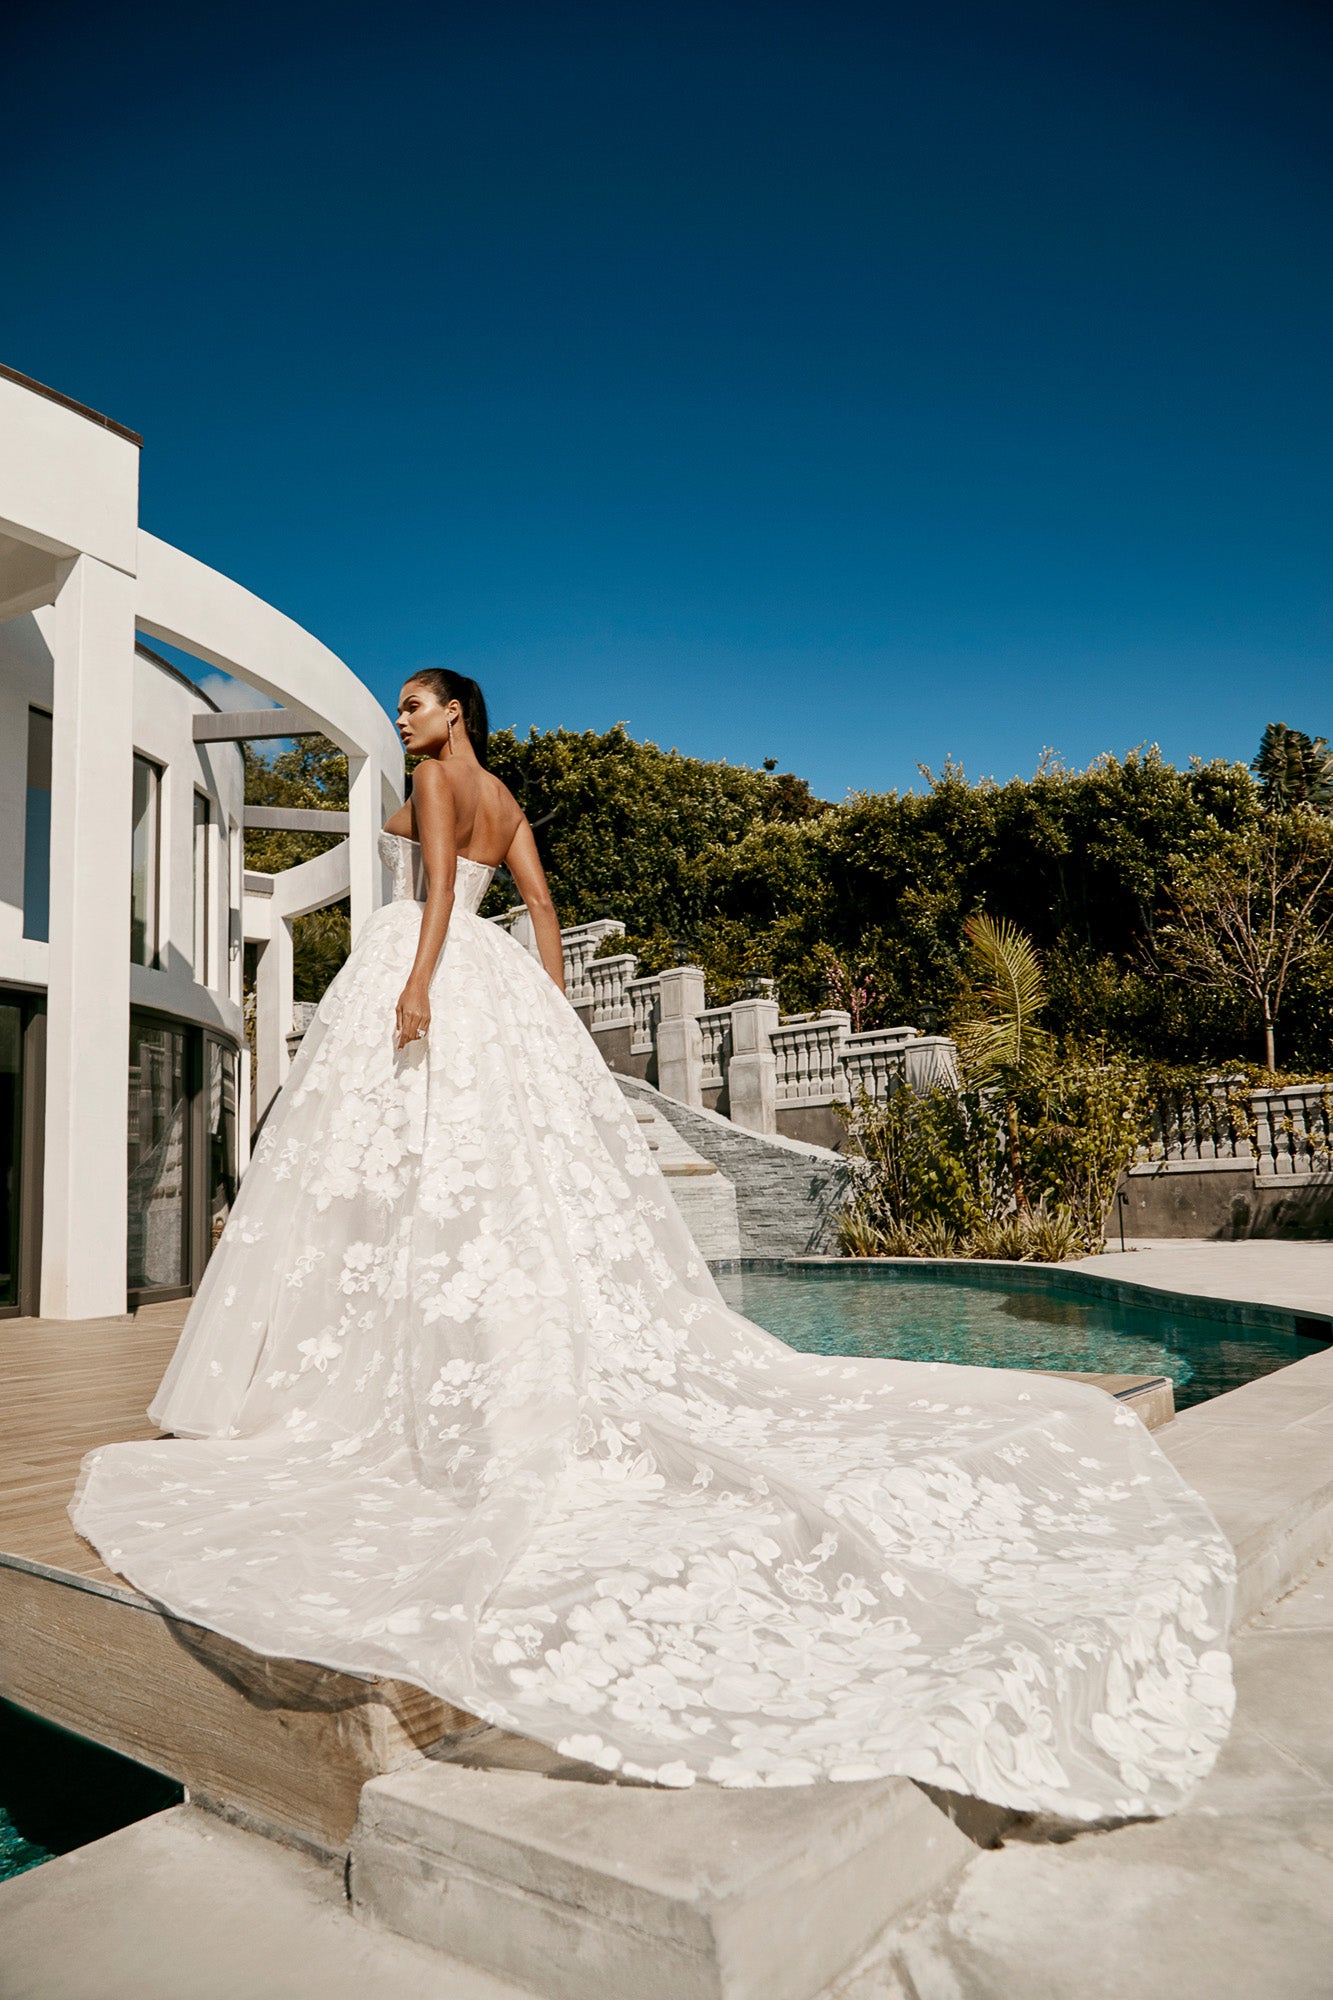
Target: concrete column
365,815
85,1200
680,1042
930,1062
273,1014
752,1073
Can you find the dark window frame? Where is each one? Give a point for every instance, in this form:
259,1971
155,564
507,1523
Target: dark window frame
196,1246
203,946
153,962
31,1133
41,936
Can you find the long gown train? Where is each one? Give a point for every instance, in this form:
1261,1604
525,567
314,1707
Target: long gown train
459,1403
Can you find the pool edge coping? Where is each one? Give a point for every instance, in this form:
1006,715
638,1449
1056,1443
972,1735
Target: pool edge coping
998,1274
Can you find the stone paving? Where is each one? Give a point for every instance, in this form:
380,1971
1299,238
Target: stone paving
185,1907
1298,1275
1231,1899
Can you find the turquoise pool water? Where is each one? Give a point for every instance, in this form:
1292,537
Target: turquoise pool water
58,1792
929,1315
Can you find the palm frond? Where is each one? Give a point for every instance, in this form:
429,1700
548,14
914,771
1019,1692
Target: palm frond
999,1029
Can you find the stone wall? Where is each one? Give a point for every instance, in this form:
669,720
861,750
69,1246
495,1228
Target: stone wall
1222,1202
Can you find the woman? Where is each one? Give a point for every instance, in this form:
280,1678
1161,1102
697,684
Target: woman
459,1403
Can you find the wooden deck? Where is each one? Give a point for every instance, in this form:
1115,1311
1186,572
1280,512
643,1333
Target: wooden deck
281,1743
65,1387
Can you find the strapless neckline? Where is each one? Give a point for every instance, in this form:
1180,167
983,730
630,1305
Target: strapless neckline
403,858
472,862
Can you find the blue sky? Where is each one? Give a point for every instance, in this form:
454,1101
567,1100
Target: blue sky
854,385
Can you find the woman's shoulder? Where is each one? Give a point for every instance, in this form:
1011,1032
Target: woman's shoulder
501,797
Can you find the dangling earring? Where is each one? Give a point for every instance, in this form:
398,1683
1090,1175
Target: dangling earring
449,721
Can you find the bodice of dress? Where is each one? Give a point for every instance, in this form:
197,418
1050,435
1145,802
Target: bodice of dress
402,857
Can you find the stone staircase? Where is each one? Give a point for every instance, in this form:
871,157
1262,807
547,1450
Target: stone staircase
786,1193
701,1191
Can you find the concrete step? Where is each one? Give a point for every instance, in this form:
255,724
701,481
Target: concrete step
787,1193
183,1906
702,1193
574,1889
1151,1397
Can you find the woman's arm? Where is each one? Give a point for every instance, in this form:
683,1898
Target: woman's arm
524,864
433,810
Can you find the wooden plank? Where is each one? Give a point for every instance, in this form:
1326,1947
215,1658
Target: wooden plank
67,1386
286,1743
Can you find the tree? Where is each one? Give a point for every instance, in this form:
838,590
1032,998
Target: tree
312,774
1001,1042
1294,769
1246,918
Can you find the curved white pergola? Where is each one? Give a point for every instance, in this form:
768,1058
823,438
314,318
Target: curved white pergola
73,553
186,604
180,600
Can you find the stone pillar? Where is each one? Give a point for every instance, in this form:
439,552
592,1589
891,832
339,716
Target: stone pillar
273,1014
931,1063
522,932
85,1197
752,1073
680,1042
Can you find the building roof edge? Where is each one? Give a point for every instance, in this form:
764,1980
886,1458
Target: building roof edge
68,403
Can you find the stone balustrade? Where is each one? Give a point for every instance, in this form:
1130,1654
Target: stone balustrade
1283,1135
581,943
807,1049
645,1002
874,1061
766,1072
1293,1131
715,1029
609,982
1206,1121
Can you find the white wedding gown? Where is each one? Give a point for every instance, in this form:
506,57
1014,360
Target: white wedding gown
458,1403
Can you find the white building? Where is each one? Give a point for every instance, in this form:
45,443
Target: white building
125,1088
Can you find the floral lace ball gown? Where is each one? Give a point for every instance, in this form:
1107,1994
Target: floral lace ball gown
458,1403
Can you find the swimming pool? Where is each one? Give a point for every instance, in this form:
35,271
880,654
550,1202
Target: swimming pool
58,1791
1016,1317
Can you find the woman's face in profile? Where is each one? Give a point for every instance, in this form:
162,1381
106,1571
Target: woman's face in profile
422,720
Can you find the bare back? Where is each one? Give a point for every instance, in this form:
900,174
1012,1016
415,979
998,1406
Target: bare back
486,813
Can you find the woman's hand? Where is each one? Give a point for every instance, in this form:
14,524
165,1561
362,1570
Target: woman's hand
413,1012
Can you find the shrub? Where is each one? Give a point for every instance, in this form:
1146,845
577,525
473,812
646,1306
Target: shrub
933,1171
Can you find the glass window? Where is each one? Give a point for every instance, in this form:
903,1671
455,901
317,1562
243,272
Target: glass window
159,1137
221,1138
234,877
145,863
37,829
11,1115
203,889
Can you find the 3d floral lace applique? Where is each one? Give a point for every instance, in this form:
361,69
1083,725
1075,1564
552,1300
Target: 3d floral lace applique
476,1417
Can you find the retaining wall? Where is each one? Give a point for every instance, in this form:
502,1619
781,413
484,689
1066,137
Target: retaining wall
787,1193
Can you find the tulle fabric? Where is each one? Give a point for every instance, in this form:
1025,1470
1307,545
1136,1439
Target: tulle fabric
459,1403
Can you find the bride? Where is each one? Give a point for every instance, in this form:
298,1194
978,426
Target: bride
459,1403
